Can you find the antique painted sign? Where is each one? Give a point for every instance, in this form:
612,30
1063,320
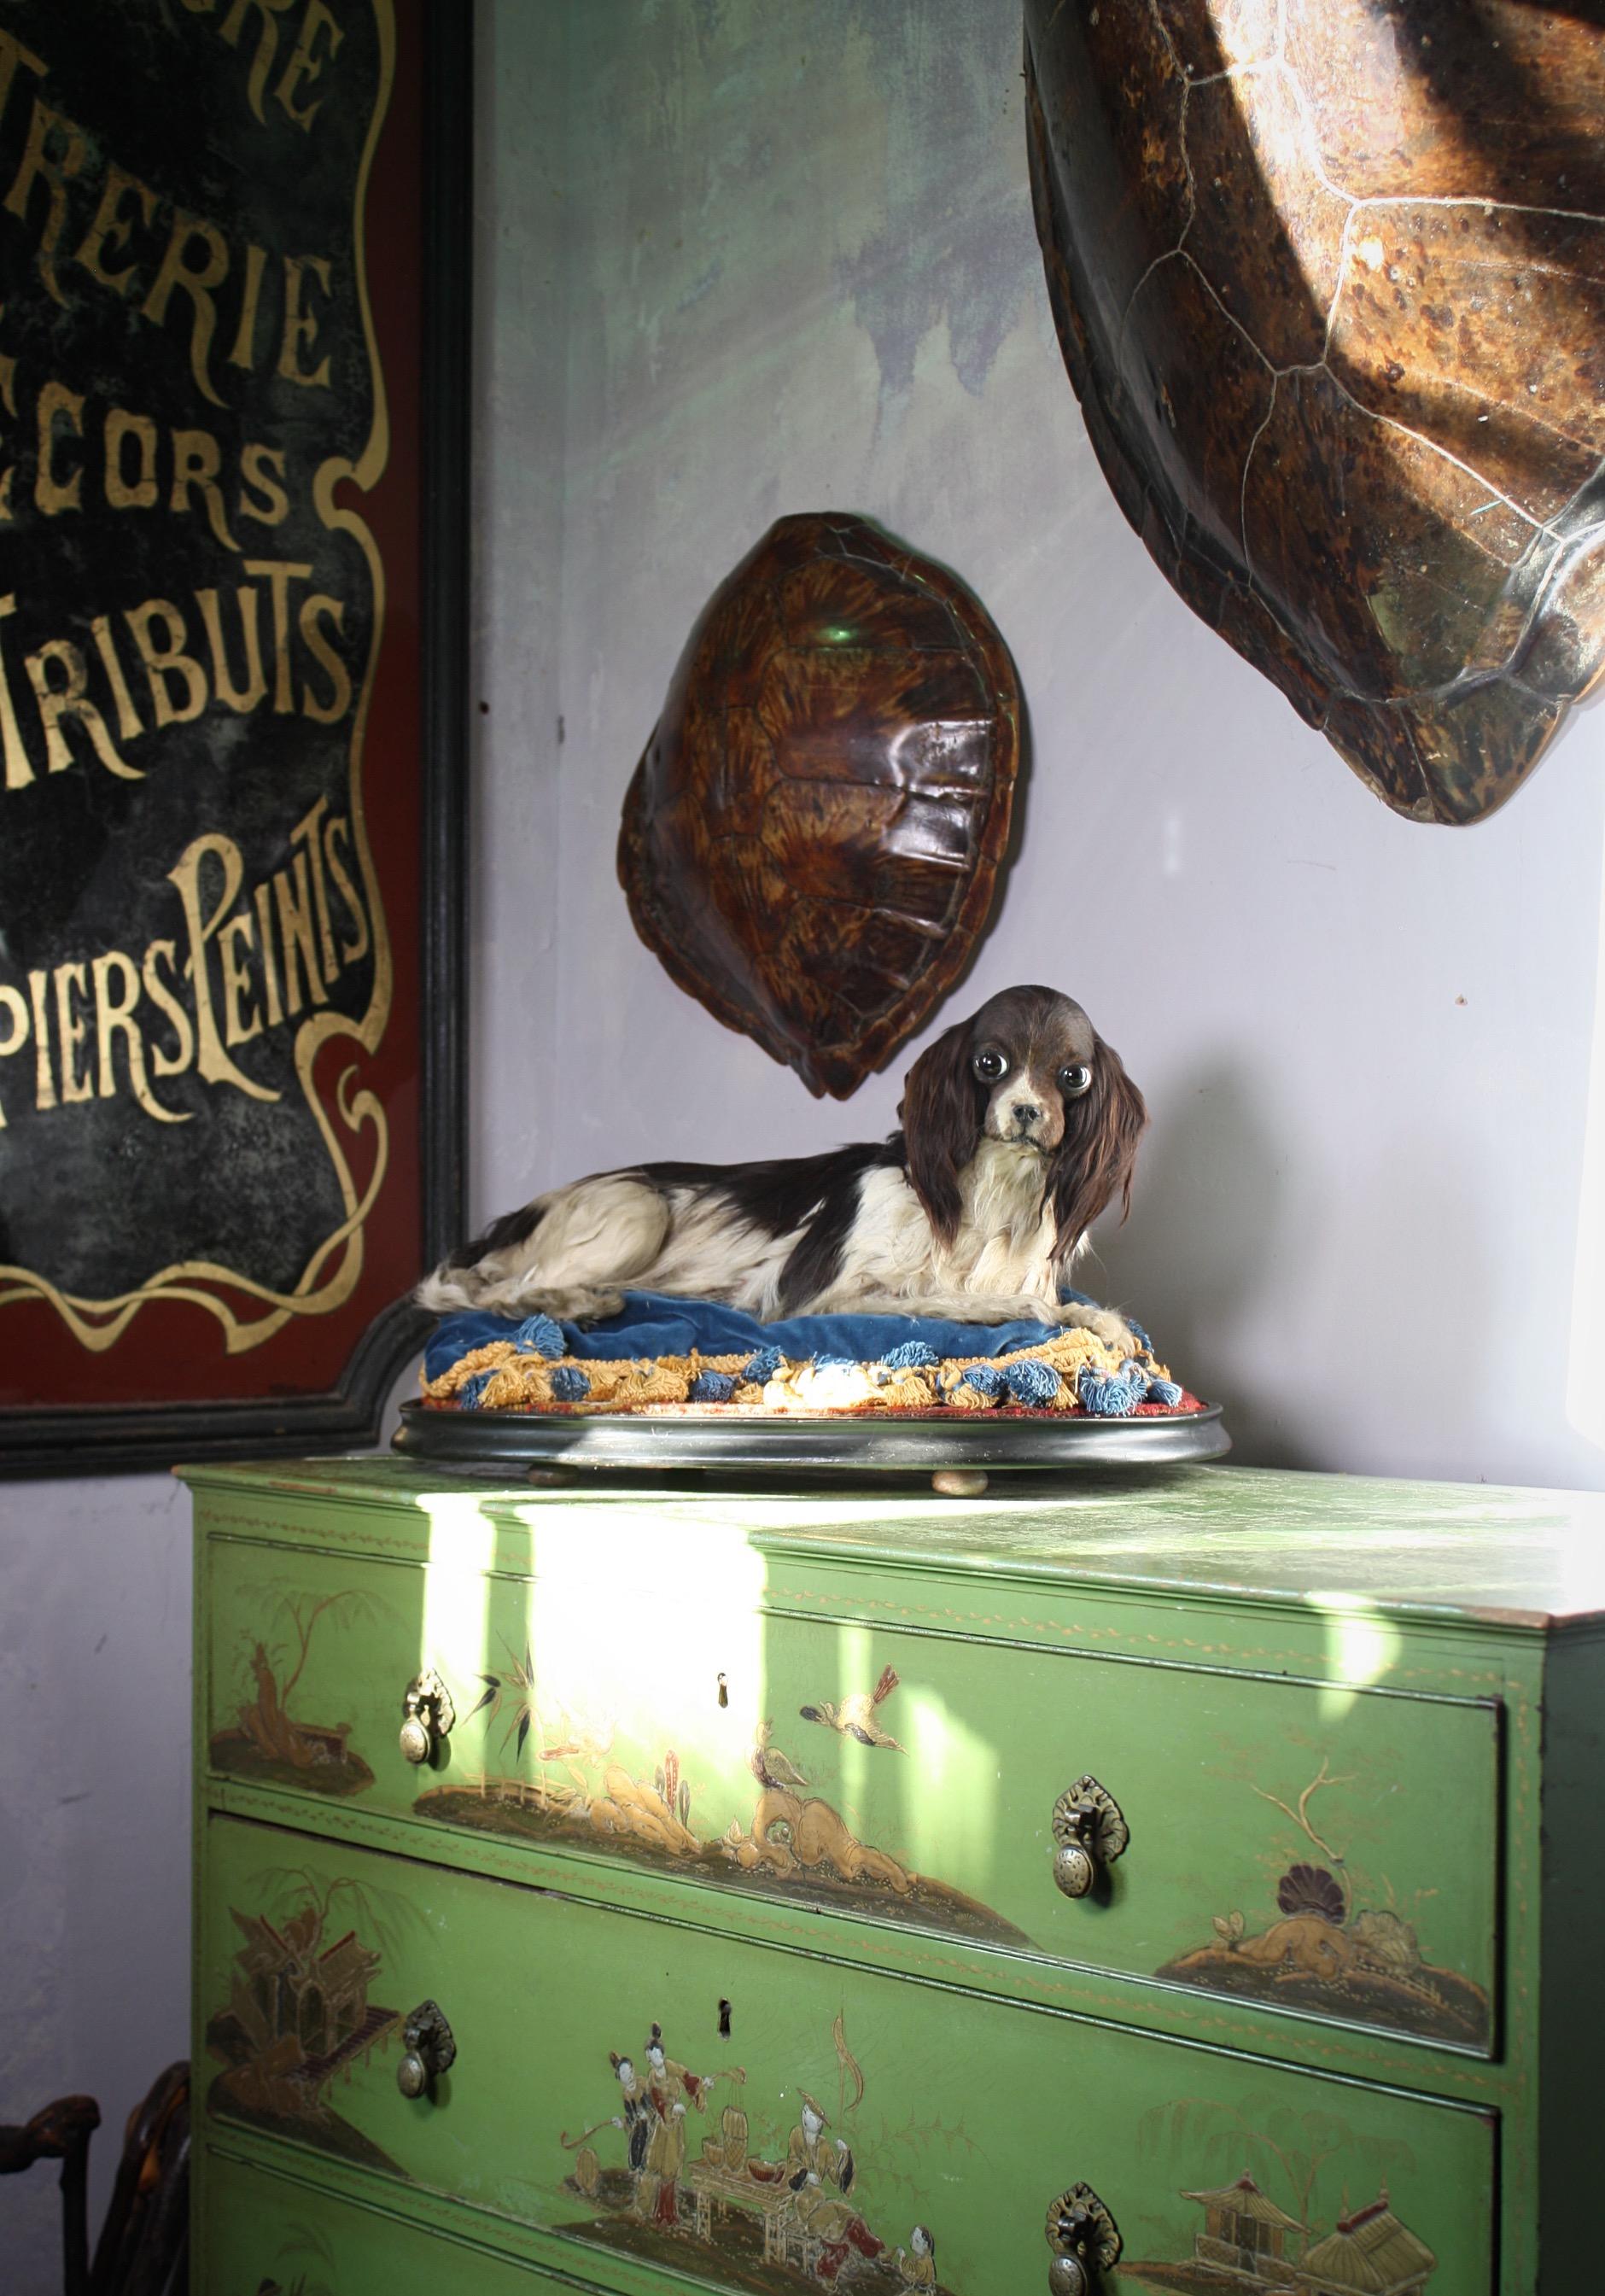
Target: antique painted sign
220,824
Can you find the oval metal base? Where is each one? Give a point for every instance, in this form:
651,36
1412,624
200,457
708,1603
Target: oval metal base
940,1443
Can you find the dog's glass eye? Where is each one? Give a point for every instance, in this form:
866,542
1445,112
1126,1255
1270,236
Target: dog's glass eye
989,1067
1076,1080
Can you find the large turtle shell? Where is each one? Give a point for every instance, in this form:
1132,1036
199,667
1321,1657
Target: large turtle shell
811,843
1328,278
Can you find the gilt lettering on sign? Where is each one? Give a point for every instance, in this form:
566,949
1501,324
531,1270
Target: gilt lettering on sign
194,961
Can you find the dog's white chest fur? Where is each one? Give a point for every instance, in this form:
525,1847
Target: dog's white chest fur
1004,1247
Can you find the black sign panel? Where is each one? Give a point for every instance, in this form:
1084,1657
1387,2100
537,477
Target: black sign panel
216,808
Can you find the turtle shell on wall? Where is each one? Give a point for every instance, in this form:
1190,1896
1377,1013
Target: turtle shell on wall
1329,277
812,842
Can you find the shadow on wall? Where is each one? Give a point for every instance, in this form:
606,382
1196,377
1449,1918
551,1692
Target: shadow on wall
1225,1205
1196,1261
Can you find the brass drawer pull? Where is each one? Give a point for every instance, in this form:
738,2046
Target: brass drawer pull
427,1716
430,2050
1090,1831
1084,2240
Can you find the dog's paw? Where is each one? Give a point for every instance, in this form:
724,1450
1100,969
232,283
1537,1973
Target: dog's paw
581,1303
1104,1324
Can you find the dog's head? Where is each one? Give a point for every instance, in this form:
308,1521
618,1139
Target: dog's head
1030,1069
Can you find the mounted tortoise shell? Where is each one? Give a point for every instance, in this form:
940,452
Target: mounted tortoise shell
1327,275
811,843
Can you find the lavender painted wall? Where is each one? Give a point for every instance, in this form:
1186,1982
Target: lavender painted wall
800,271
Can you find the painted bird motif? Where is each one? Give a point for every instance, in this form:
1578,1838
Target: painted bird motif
767,1762
855,1717
580,1740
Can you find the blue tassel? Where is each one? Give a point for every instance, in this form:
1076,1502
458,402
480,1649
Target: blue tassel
712,1387
1151,1387
763,1366
471,1389
1108,1399
569,1384
911,1354
986,1379
539,1335
1033,1382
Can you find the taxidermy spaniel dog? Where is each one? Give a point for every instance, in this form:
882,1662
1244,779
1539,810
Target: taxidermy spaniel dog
1019,1127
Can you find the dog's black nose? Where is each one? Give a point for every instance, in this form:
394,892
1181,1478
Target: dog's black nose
1026,1116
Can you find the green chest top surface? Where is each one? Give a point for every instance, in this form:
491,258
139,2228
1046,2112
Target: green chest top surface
768,1858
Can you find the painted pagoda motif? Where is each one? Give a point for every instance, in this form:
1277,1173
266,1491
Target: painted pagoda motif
1250,2247
298,2017
1246,2233
1371,2251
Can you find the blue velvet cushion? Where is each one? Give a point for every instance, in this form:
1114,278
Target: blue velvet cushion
652,1323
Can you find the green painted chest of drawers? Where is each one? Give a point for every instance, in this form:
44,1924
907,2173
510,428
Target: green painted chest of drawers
1189,1884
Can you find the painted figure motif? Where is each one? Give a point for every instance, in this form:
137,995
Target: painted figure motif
1329,1952
635,2117
917,2263
774,2208
670,2089
814,2161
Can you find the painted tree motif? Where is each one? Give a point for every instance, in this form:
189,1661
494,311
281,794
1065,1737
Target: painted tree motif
1330,1948
272,1740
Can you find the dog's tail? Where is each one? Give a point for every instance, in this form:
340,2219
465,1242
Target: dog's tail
449,1289
469,1277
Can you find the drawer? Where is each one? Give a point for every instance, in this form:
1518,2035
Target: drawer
762,2119
260,2235
1321,1850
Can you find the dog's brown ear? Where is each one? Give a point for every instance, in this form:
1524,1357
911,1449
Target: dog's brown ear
1095,1160
939,1118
